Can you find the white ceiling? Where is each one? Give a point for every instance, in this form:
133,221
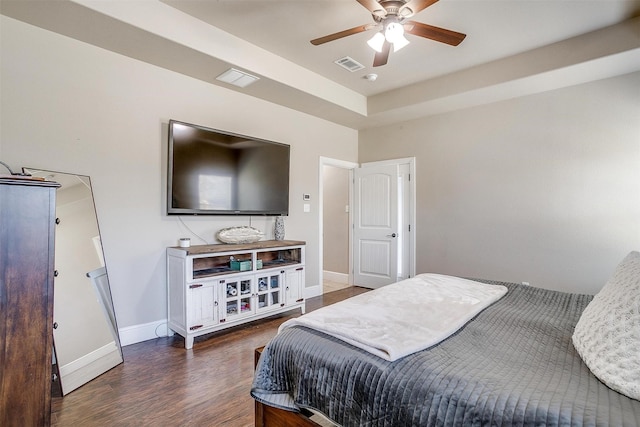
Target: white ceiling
495,29
512,48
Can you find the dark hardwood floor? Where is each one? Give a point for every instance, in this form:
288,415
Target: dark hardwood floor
162,384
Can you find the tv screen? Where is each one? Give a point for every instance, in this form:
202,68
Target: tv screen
212,172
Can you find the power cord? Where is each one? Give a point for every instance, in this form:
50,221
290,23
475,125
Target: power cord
23,173
192,232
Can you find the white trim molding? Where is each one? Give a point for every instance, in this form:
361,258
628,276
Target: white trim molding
148,331
344,165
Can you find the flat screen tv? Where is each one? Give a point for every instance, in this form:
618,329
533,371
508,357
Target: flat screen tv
212,172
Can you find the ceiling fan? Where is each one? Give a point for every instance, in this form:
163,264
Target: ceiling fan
390,18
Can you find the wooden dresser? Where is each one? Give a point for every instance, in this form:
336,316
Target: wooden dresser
27,230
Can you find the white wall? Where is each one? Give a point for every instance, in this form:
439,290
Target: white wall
543,188
68,106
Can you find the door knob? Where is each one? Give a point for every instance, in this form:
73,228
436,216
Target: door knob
391,235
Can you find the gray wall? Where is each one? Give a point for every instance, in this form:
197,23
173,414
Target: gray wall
543,188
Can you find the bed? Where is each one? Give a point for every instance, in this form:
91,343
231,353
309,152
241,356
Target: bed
520,361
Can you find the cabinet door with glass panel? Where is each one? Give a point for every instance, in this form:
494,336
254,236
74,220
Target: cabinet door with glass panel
270,292
237,299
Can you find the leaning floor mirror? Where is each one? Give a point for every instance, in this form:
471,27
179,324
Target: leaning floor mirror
85,334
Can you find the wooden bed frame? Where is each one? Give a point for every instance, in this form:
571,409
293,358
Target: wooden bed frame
268,416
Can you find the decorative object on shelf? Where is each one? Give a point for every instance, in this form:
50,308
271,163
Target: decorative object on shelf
279,228
241,265
239,234
231,291
185,242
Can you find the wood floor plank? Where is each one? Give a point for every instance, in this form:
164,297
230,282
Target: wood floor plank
161,383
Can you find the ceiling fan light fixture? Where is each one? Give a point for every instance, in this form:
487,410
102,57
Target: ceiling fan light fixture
400,43
376,42
394,32
391,24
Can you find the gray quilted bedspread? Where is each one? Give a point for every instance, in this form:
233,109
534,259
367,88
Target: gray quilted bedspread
514,364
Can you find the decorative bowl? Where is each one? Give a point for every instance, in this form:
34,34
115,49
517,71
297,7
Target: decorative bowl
239,234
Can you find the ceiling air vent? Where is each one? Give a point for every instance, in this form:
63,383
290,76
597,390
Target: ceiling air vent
349,63
237,78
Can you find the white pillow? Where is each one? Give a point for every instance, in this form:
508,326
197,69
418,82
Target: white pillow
607,336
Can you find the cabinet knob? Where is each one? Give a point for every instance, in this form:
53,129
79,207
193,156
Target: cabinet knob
55,325
57,220
55,273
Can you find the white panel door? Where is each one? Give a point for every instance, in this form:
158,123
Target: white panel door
375,225
203,305
294,282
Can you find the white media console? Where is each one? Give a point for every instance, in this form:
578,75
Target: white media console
212,287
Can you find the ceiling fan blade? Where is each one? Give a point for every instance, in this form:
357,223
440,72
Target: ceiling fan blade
412,7
341,34
434,33
372,6
381,58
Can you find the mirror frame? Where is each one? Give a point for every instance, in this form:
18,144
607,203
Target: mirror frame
98,354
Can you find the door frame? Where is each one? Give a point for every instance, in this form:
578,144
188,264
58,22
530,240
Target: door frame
411,161
343,164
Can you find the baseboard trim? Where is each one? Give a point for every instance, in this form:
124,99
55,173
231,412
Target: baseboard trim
148,331
144,332
335,277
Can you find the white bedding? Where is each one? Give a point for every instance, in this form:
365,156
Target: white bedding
404,317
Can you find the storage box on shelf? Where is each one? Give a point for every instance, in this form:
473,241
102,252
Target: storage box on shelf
212,287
